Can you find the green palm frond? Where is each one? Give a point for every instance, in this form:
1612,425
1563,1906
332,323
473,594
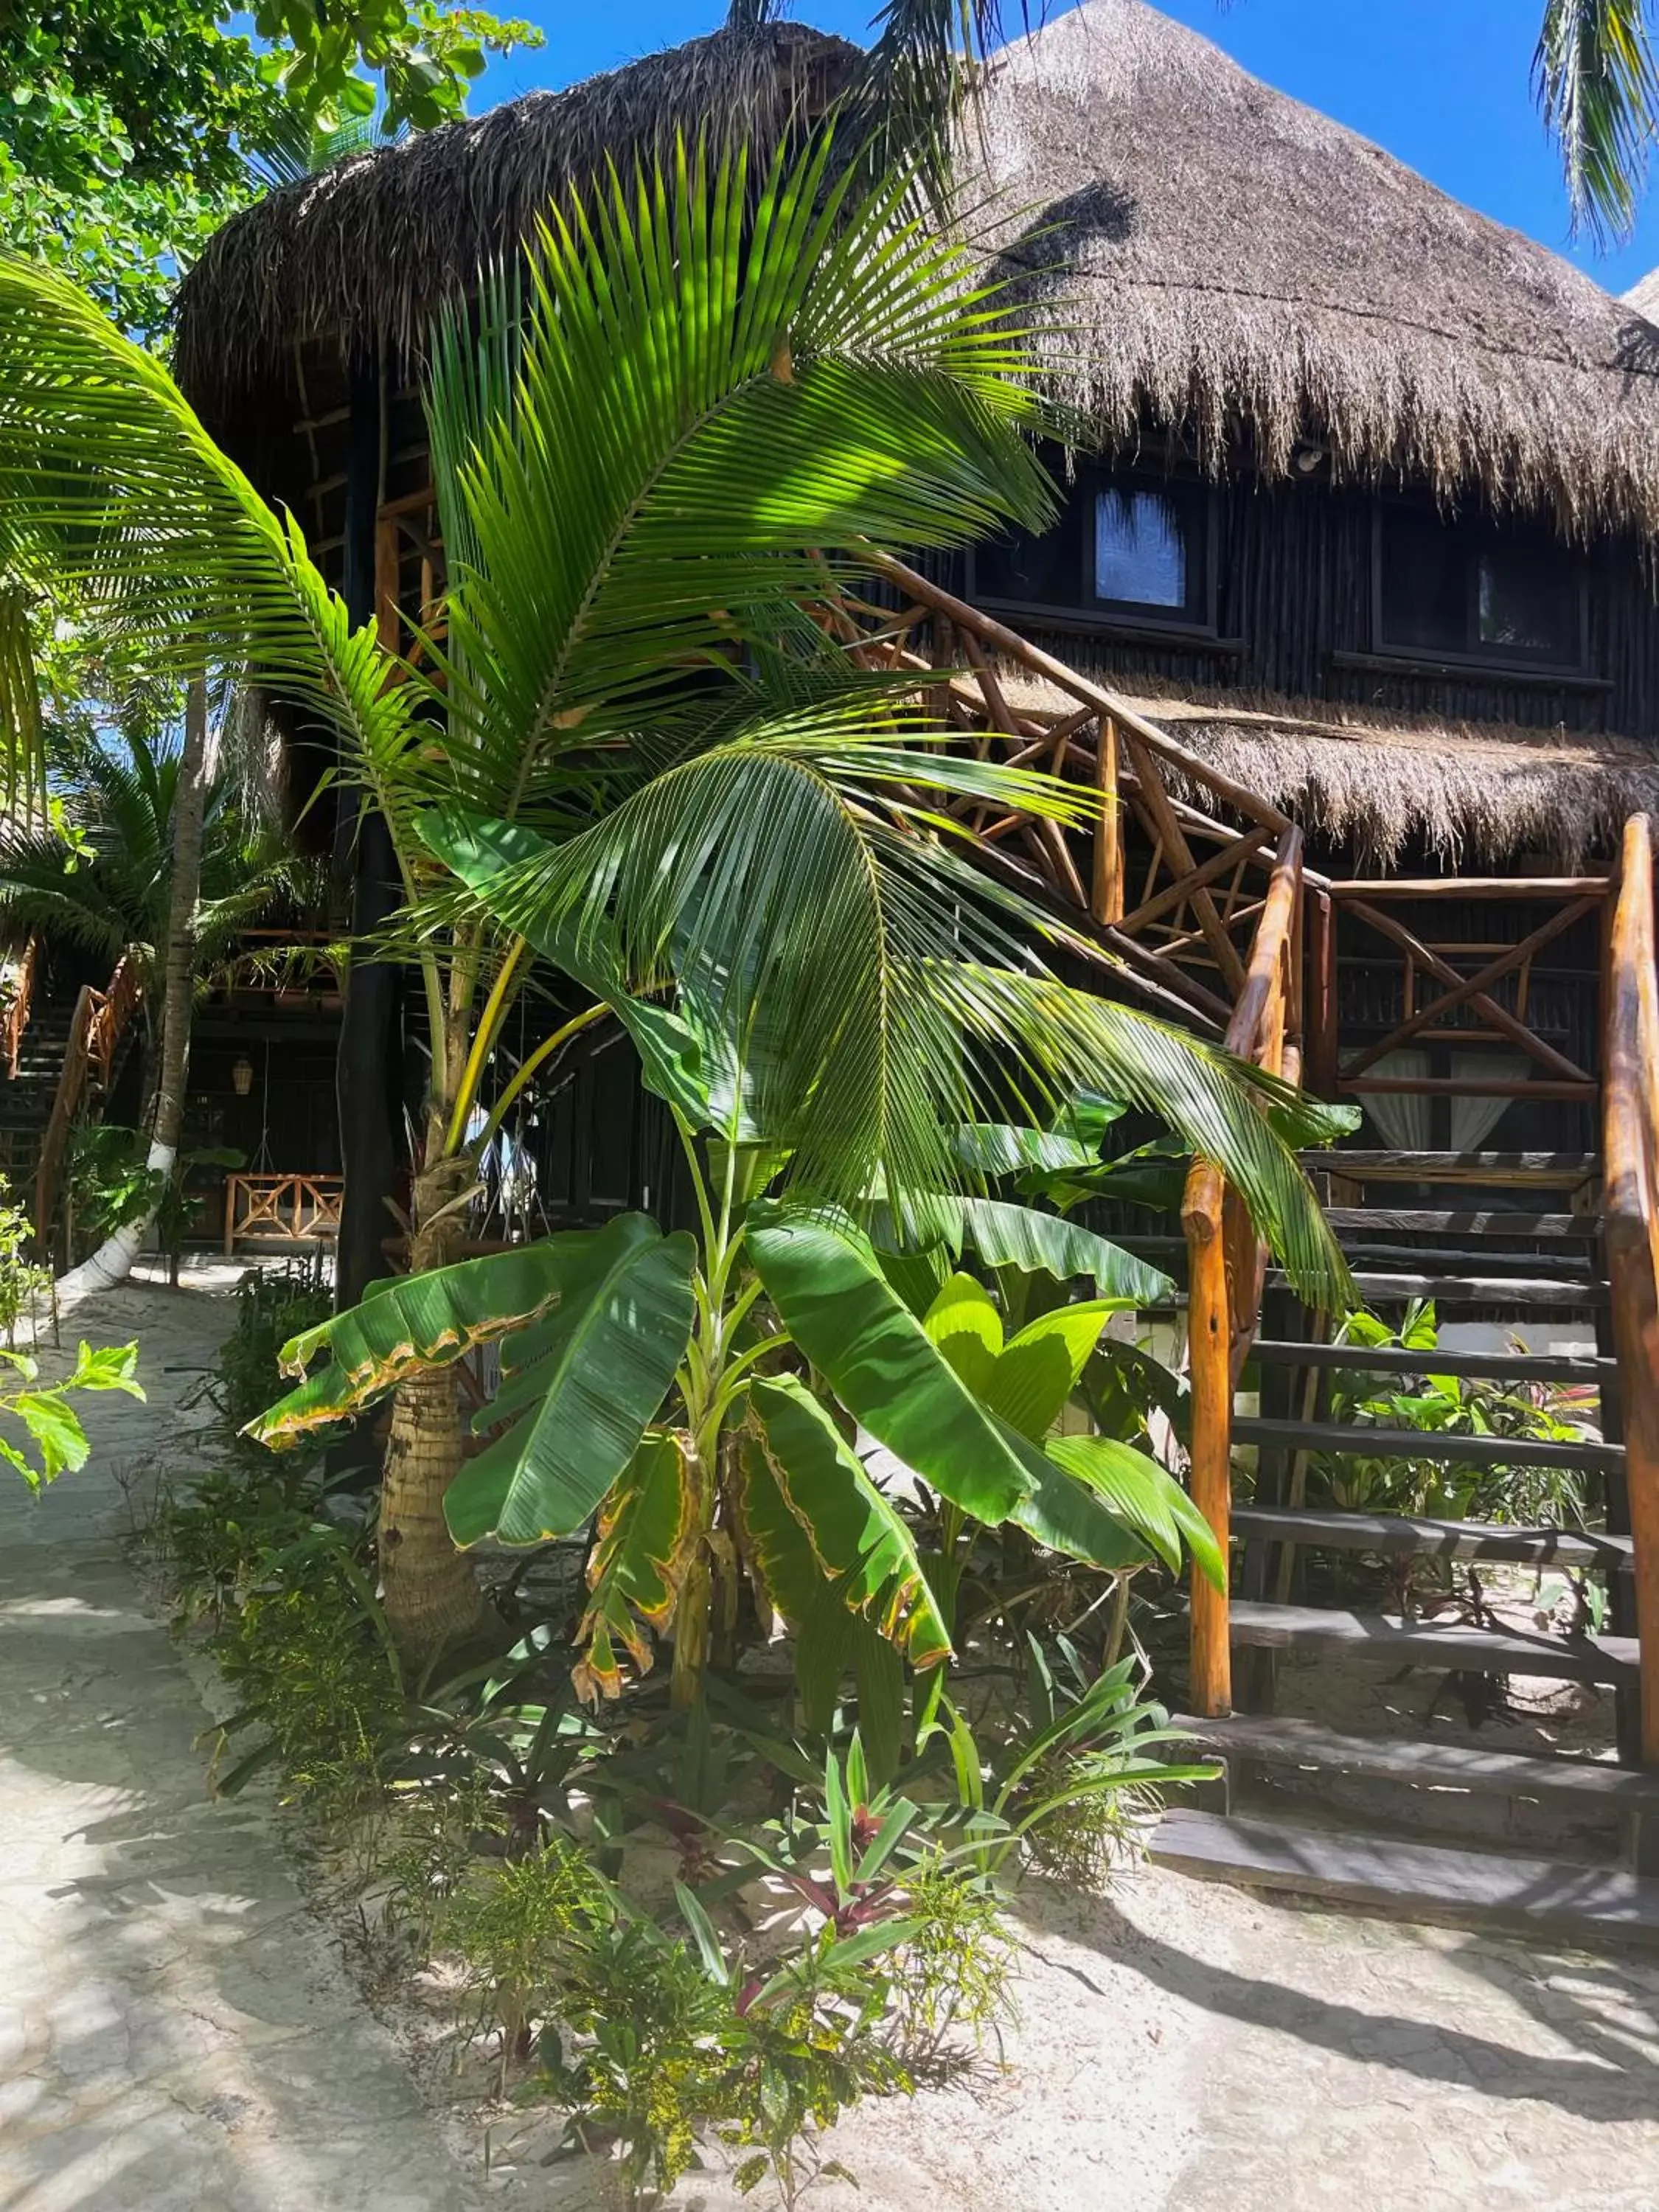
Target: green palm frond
722,382
22,748
1596,82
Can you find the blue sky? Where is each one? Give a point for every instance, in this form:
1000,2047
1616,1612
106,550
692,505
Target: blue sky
1443,84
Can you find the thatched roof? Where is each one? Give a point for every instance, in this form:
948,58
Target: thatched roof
367,250
1229,261
1383,786
1234,257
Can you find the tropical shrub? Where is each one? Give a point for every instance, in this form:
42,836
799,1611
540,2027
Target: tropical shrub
45,1413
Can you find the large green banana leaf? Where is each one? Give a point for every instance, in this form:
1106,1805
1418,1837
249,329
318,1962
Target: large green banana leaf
645,1543
591,1374
1005,1148
826,1282
1008,1236
965,1324
1031,1380
1144,1497
810,1511
1064,1515
1028,1382
410,1323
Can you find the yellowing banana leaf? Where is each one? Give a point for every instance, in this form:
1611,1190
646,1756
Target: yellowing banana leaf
408,1324
646,1539
824,1278
1143,1497
594,1372
811,1512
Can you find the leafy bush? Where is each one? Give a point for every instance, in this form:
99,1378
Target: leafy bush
22,1282
308,1652
521,1928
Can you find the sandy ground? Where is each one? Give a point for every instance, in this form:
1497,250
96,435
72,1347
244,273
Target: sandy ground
176,2027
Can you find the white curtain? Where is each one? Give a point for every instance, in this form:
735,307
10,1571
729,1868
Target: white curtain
1474,1119
1401,1117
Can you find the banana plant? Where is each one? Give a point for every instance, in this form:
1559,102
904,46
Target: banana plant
691,1397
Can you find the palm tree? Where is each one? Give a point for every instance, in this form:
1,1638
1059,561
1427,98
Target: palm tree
149,858
100,877
1595,76
717,393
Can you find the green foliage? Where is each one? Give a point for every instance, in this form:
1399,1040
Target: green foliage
22,1280
1445,1405
308,1655
217,1533
49,1421
520,1927
272,1305
952,1975
126,125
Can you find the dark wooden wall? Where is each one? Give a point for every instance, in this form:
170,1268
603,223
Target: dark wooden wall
1294,605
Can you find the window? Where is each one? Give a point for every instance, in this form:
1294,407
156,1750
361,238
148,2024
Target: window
1133,553
1449,589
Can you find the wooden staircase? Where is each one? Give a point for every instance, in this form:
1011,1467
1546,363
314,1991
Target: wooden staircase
1191,890
1419,1822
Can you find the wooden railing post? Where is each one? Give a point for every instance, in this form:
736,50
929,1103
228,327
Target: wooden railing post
1209,1362
1631,1204
1107,901
1225,1260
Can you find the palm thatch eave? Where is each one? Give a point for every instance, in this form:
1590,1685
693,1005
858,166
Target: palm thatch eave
365,253
1215,257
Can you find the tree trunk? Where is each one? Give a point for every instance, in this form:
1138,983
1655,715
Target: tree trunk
113,1262
428,1588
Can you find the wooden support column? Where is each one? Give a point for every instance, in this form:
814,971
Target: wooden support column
1210,1370
1630,1162
1108,831
369,1076
1322,994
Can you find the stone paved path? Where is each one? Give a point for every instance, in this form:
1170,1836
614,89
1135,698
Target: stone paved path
175,2032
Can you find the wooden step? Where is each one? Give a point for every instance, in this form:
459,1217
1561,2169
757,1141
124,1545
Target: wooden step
1341,1437
1455,1221
1547,1898
1267,1741
1469,1290
1330,1528
1395,1359
1578,1267
1387,1640
1552,1170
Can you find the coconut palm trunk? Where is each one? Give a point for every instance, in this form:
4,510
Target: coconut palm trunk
428,1589
111,1262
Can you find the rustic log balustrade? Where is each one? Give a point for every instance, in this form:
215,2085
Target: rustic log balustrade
1630,1224
17,1013
96,1028
1225,1261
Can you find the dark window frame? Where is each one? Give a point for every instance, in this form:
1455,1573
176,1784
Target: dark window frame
1498,659
1086,612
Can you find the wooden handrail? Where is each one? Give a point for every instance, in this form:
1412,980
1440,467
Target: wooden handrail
96,1027
1631,1225
1009,642
17,1014
1225,1259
